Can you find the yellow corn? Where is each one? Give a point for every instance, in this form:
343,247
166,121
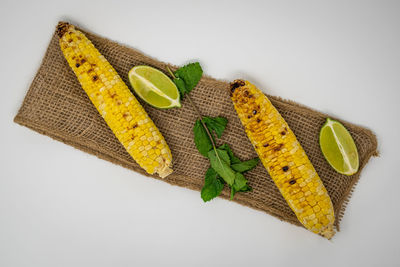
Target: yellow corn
284,158
115,102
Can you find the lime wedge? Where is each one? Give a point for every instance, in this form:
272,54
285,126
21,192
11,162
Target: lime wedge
338,147
154,87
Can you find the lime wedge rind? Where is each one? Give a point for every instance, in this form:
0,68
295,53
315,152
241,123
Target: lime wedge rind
146,86
346,150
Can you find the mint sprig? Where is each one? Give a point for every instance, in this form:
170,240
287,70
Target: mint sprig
225,166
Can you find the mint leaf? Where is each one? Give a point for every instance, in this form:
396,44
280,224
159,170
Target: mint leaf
240,181
220,162
233,192
237,164
216,124
190,74
246,188
240,184
212,185
224,156
201,139
245,166
233,158
181,85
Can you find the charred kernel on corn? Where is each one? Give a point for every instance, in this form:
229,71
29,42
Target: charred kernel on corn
115,102
284,158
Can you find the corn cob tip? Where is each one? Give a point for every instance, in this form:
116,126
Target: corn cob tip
165,171
236,84
62,28
328,232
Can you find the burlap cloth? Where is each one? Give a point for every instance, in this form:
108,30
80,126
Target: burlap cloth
56,106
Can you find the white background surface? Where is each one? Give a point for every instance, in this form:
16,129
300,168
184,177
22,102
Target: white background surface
62,207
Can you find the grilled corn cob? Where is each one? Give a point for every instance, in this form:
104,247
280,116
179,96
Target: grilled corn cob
284,158
115,102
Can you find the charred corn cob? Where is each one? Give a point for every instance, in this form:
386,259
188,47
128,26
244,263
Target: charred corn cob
284,158
115,102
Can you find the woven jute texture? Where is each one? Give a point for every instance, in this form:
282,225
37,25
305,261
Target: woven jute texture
55,105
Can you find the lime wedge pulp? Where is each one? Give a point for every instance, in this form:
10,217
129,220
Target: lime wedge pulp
338,147
154,87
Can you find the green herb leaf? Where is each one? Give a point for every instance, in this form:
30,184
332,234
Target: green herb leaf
181,85
240,181
216,124
245,166
201,139
246,188
233,192
212,185
190,74
220,162
237,164
240,184
234,159
224,156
